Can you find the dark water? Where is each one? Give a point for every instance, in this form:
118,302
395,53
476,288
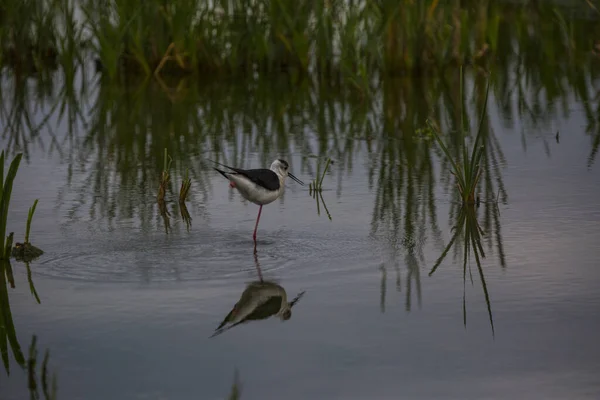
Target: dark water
127,308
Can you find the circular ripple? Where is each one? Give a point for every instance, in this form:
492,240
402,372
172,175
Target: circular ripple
198,256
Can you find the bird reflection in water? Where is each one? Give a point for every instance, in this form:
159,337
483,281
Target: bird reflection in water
260,300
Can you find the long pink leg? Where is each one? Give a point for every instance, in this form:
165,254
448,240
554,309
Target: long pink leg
256,226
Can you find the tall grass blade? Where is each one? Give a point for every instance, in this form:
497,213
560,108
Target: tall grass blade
7,321
29,218
6,193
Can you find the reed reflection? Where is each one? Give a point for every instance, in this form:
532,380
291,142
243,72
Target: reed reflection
468,237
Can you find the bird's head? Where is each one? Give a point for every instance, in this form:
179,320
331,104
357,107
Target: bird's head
286,313
281,168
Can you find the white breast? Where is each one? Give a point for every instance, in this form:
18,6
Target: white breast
255,193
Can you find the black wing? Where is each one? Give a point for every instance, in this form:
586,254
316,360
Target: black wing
264,311
261,176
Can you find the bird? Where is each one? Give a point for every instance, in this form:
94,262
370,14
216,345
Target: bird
260,186
259,301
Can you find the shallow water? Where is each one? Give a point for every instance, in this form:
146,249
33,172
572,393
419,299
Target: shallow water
127,308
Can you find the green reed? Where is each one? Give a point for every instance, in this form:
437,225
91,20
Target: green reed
184,190
29,219
7,328
335,41
6,185
165,178
468,171
316,186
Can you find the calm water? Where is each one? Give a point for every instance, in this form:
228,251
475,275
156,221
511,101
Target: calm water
127,308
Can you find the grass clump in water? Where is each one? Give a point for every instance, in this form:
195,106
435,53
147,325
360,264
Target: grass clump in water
164,178
317,184
184,191
315,189
26,251
162,190
467,172
7,328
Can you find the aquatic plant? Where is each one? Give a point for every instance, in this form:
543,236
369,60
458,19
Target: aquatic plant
6,185
317,184
7,328
335,41
467,172
184,190
26,251
164,177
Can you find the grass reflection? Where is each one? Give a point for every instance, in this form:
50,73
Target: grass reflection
468,236
8,335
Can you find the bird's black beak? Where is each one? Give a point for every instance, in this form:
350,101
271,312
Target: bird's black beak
296,179
293,302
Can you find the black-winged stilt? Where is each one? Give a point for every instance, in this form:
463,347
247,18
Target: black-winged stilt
260,300
260,186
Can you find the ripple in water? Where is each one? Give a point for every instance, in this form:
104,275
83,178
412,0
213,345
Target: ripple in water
199,256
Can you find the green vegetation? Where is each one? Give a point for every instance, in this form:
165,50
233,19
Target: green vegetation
6,185
7,328
469,171
26,251
334,41
8,335
317,184
315,188
163,188
164,178
184,190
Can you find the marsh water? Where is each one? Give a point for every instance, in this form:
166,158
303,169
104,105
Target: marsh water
130,298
